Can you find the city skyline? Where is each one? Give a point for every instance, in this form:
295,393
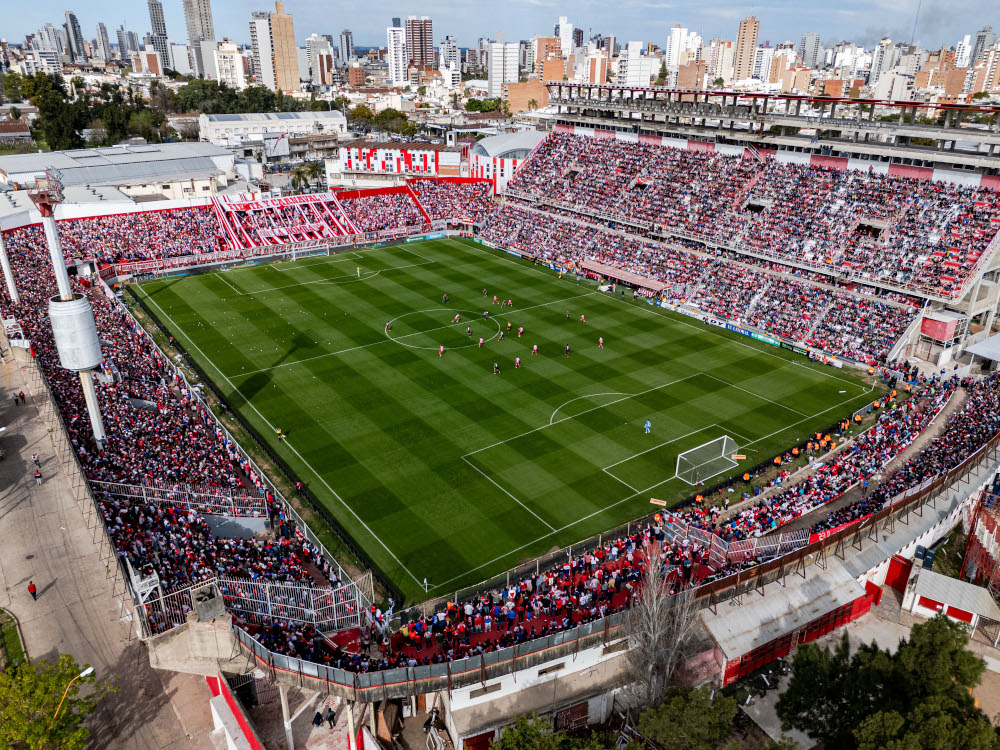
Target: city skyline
644,20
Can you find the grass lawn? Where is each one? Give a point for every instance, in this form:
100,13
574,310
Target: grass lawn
11,653
443,470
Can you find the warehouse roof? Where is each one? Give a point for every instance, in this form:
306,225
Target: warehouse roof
956,593
252,116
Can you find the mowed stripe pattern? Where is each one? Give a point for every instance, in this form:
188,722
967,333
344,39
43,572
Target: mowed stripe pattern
457,471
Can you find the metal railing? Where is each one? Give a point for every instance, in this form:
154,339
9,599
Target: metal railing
239,506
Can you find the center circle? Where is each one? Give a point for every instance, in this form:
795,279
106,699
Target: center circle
475,316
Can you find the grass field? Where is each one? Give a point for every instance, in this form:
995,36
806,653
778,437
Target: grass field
443,470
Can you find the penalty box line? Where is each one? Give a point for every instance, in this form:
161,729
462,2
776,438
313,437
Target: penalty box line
623,500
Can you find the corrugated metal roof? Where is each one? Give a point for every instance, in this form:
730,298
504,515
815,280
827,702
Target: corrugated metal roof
956,593
249,116
783,609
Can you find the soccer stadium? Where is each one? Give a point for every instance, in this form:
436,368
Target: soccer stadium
401,437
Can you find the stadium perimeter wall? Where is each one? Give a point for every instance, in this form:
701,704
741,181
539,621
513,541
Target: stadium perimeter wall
991,182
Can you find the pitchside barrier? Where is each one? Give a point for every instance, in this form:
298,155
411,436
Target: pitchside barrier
403,682
328,609
183,496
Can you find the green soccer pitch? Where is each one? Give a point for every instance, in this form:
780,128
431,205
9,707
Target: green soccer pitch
438,467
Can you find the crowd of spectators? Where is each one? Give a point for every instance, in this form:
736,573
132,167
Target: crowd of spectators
471,202
375,213
143,235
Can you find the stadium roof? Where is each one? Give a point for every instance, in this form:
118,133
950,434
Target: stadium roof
498,146
118,165
987,348
956,593
782,610
253,116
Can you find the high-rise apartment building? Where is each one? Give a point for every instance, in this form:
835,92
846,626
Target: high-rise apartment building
884,58
746,48
502,66
542,48
963,52
200,28
229,65
675,43
448,54
103,43
564,30
286,54
74,37
47,38
634,68
261,49
396,56
577,38
345,46
316,45
420,40
984,39
159,33
809,49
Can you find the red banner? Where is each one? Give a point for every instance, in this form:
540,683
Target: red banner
819,536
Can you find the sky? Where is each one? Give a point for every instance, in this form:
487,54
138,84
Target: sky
861,21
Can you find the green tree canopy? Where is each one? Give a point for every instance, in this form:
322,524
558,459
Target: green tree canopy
918,697
30,696
532,733
689,719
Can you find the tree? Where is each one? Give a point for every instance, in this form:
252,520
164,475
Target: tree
919,696
421,90
30,696
12,86
662,77
532,733
532,104
661,628
299,177
718,83
689,720
14,113
314,171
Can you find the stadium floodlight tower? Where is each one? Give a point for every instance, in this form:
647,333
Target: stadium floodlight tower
73,326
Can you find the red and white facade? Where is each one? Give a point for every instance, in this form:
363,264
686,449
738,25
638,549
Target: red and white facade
371,162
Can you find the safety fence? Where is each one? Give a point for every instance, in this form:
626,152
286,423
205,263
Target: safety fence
239,506
328,609
416,680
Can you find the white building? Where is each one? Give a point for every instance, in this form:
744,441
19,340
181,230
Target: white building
634,68
448,54
809,49
395,41
676,40
180,59
229,130
963,52
763,58
263,49
229,65
502,66
40,61
316,45
564,30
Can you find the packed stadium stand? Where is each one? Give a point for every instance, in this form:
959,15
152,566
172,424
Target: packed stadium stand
639,208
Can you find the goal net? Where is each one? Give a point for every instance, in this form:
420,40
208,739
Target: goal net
707,460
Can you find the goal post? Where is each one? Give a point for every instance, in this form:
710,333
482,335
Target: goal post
707,460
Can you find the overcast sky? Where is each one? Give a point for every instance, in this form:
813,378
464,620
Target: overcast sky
863,21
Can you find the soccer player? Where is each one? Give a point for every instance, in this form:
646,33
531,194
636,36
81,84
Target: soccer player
520,330
510,303
517,361
567,315
457,319
494,299
441,350
281,435
508,326
534,348
567,350
388,327
600,341
583,319
486,314
501,336
444,299
484,291
496,369
649,426
480,341
359,272
468,331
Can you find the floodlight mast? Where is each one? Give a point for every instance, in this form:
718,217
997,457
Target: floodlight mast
74,329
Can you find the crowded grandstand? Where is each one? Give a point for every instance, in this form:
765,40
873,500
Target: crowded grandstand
791,250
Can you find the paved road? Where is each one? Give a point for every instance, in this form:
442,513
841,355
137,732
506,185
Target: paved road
45,539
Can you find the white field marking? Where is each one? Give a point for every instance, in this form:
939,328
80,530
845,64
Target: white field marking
757,395
346,279
302,264
640,453
386,340
619,480
227,283
619,502
644,308
735,434
587,411
490,480
287,442
472,342
580,398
